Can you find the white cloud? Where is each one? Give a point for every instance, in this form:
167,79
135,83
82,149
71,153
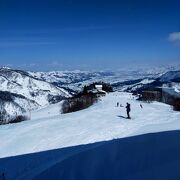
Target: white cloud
174,37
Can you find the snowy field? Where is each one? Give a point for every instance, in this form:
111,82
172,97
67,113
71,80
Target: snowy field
75,145
103,121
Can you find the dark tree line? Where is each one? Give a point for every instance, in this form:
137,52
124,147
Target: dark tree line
78,103
176,104
85,98
6,118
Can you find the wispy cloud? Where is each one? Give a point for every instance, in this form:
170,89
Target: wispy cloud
174,37
19,43
45,30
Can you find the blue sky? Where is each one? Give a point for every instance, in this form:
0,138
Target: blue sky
91,34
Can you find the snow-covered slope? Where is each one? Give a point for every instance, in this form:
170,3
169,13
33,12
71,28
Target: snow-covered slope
15,104
144,157
170,76
176,87
34,92
20,82
49,129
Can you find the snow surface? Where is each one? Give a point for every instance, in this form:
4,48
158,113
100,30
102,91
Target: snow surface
177,87
46,146
146,157
49,129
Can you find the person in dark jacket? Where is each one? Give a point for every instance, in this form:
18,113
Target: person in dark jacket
128,109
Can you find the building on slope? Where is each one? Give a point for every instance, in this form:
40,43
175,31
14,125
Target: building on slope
162,94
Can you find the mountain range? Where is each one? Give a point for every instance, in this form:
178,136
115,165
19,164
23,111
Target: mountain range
23,91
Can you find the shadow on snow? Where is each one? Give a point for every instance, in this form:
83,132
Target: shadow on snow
145,157
124,117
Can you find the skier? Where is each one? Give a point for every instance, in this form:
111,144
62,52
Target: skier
141,106
117,104
128,109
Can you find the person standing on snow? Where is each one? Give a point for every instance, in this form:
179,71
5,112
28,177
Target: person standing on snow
128,109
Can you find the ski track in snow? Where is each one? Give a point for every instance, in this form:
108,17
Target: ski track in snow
48,129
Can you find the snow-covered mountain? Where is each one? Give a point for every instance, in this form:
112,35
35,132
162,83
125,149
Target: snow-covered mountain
122,80
30,90
170,76
75,80
168,79
26,91
13,105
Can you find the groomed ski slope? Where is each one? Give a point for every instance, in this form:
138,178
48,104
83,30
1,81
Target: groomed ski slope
48,129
